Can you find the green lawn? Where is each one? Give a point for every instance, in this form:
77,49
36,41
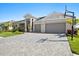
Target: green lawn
74,44
6,34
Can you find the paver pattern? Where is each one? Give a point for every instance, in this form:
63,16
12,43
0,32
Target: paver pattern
35,44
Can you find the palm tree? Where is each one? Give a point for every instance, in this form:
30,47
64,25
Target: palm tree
6,24
69,21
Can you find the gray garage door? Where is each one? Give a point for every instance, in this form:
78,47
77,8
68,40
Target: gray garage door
37,28
55,28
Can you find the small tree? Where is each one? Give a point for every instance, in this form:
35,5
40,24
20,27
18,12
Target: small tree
5,26
69,21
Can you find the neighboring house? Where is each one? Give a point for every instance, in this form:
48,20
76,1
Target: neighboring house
7,26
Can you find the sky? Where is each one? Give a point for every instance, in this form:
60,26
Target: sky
16,11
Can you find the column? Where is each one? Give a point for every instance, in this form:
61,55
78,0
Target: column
42,28
25,26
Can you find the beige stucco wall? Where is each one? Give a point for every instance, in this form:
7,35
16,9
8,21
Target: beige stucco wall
43,28
37,28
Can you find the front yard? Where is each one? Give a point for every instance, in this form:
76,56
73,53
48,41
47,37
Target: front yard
6,34
74,44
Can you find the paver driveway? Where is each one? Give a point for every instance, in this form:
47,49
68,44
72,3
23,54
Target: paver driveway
35,44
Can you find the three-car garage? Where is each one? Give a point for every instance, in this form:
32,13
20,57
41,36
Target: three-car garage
51,28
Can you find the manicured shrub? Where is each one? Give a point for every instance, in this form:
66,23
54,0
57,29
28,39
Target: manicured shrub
70,32
13,30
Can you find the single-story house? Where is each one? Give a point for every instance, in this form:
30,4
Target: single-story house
52,23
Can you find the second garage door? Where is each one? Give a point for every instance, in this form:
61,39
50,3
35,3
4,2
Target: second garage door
55,27
38,28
